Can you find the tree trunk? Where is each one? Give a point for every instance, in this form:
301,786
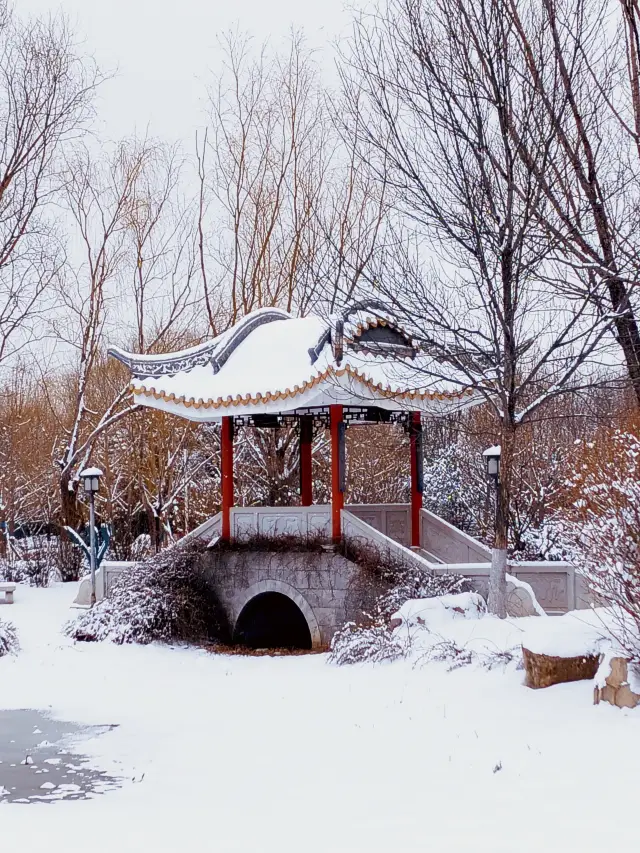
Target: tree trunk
70,513
497,595
627,332
71,516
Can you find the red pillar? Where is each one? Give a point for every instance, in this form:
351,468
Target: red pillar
415,438
306,480
226,470
337,471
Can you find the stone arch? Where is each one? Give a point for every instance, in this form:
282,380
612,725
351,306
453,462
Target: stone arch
283,588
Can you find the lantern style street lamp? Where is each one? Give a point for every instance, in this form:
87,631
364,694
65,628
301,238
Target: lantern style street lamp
491,458
91,482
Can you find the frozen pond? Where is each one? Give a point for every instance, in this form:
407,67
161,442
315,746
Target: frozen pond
40,760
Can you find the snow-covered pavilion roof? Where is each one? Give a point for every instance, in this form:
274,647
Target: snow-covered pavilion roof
273,363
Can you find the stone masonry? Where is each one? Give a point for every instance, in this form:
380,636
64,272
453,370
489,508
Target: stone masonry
323,584
616,688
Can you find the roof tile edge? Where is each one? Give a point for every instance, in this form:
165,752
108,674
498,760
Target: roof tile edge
289,393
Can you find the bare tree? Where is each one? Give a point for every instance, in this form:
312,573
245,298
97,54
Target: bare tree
435,93
162,257
137,262
573,64
285,213
25,475
46,92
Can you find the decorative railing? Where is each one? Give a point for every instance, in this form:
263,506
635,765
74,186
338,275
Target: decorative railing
207,530
557,585
448,544
444,548
303,522
358,534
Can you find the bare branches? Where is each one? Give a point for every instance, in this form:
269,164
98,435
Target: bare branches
46,92
286,217
441,117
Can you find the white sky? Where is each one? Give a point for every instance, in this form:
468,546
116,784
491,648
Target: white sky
163,51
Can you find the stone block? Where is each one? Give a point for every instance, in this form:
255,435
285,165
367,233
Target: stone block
626,698
619,672
616,690
302,579
315,597
519,601
325,615
342,579
606,694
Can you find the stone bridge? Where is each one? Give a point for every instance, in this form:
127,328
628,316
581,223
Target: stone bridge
298,595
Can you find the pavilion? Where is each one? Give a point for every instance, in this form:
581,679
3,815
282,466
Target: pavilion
272,369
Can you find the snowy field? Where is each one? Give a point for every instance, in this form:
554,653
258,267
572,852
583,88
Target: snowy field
292,754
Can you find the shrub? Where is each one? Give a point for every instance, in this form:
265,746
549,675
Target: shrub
385,582
369,637
35,560
358,644
8,639
410,583
605,524
165,598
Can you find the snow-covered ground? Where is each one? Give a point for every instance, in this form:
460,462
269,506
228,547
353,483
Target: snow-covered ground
292,754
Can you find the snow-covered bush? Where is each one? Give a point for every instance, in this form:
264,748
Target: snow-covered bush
453,489
370,637
141,547
546,542
34,560
410,583
605,524
8,639
444,629
371,644
165,598
447,650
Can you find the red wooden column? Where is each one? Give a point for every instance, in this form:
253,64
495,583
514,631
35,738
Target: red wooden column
337,471
415,439
226,470
306,440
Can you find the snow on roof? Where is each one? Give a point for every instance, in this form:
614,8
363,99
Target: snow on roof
271,362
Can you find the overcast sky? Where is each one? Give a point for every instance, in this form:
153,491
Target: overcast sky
164,50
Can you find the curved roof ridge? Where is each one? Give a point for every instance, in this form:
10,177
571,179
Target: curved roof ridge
214,352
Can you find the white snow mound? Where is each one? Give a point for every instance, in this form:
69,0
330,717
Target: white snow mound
579,632
422,611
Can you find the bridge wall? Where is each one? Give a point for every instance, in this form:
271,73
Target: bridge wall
394,520
323,584
331,590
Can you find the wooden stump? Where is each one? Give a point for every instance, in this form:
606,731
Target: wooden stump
545,670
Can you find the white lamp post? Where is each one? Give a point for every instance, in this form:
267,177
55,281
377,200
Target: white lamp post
497,576
91,483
